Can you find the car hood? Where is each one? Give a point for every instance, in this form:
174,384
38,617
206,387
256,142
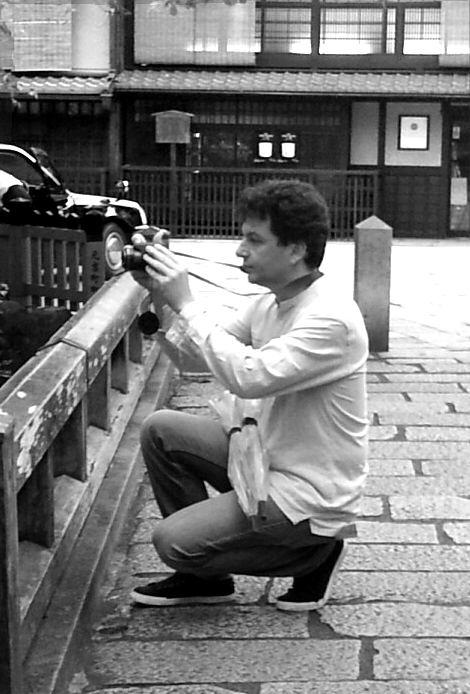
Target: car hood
85,200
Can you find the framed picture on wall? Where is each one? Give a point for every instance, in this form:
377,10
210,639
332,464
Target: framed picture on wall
413,132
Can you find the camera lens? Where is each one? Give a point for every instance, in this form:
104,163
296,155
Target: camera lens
148,323
132,259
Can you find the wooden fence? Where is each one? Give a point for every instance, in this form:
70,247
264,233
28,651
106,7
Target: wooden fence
87,179
202,202
56,447
45,266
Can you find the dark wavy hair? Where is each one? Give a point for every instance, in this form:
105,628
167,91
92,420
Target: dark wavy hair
297,211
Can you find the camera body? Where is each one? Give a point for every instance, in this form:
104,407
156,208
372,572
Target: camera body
133,255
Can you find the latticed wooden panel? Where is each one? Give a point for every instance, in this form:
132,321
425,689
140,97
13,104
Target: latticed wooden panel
202,202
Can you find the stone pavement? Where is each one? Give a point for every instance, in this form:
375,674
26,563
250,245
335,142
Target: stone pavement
399,618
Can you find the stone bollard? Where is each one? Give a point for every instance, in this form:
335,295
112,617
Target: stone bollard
372,272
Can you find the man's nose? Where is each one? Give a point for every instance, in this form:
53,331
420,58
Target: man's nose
241,250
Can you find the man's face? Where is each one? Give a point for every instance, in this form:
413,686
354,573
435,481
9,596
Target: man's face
265,260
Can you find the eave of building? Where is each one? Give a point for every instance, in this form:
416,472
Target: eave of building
292,83
454,85
53,86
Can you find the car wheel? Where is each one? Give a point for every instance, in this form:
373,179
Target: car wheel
114,240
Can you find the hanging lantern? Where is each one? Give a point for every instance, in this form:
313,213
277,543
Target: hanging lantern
288,145
265,145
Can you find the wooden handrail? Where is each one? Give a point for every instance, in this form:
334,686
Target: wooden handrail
61,418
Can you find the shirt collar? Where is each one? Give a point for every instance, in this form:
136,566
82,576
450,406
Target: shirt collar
298,286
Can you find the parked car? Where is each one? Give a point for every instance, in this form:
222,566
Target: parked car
112,219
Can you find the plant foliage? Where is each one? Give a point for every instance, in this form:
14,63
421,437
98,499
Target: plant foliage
175,4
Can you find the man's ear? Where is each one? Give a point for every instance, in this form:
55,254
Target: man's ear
298,251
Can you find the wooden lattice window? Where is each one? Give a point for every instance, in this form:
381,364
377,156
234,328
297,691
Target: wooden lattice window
348,27
422,31
284,27
357,30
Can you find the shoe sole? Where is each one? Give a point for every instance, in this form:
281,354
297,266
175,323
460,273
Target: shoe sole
150,601
315,604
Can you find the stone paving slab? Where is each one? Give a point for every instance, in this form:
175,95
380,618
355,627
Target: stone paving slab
398,619
420,449
427,508
457,532
420,658
226,661
412,386
396,533
407,557
395,405
394,467
461,401
428,377
412,586
363,687
222,622
419,486
431,433
446,468
412,417
403,620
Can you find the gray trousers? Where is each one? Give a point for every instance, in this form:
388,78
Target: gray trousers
211,537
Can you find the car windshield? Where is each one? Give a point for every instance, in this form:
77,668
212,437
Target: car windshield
46,165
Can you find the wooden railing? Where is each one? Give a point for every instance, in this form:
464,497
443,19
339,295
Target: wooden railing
62,416
202,202
46,266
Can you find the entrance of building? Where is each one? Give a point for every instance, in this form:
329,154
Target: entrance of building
414,201
459,222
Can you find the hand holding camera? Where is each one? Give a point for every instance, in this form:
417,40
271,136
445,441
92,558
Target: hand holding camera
170,277
133,255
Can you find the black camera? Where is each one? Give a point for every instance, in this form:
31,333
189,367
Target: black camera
133,256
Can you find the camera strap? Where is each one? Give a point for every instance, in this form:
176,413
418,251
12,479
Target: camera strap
211,282
206,260
220,286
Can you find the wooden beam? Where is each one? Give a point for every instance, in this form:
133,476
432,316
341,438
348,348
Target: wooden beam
11,680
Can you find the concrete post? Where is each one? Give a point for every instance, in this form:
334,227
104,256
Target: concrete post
372,272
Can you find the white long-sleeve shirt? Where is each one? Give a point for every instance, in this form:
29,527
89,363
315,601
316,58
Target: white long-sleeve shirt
306,356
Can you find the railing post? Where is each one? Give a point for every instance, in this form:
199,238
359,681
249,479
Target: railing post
16,260
70,445
11,679
135,343
120,365
36,504
99,396
372,274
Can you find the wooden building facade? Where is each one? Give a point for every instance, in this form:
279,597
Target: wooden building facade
272,86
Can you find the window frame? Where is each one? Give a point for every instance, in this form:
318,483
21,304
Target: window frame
325,6
316,59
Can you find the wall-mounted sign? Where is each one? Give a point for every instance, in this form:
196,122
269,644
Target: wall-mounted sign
172,127
413,132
